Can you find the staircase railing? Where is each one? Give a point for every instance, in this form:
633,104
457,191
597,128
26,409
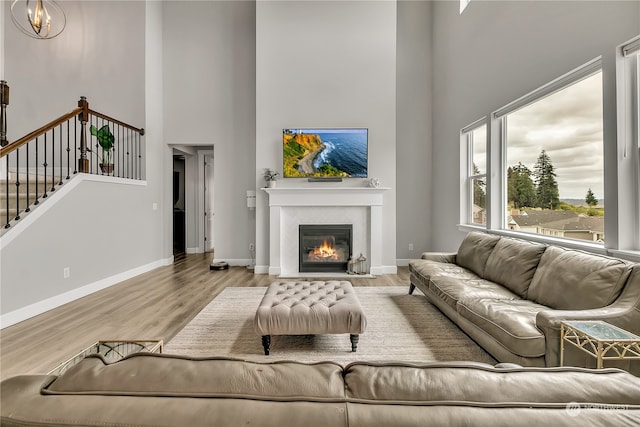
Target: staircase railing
39,162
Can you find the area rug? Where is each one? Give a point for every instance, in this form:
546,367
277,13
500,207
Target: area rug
400,327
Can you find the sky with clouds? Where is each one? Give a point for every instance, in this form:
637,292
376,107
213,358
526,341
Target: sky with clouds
568,126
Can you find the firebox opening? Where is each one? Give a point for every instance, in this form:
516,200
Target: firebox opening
324,247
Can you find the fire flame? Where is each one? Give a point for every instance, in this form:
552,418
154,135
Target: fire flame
324,252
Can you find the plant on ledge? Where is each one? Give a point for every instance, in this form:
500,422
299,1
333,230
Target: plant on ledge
106,141
270,176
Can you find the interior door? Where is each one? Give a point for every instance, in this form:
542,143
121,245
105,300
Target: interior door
208,204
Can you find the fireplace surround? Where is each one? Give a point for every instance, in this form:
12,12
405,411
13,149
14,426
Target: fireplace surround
289,207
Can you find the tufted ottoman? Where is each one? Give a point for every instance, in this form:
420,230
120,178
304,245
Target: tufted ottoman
310,308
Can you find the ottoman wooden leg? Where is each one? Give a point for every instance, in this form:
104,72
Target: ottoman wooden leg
354,342
266,343
411,288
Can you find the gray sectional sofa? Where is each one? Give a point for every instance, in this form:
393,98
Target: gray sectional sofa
510,295
163,390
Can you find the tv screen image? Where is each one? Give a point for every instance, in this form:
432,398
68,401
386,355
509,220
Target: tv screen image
317,153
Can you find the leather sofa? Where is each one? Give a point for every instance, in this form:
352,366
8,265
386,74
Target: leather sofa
510,296
163,390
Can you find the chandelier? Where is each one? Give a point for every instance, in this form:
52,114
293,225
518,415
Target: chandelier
40,19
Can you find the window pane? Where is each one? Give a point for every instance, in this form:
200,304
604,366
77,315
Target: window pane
479,150
479,206
555,168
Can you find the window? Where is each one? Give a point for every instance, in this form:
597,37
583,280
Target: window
553,172
628,97
474,139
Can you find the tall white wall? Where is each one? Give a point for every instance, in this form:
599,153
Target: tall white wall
497,51
326,64
209,99
413,141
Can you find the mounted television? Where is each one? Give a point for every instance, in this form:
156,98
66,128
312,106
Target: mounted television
325,153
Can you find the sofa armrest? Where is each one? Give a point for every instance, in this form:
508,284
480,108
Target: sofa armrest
624,313
448,257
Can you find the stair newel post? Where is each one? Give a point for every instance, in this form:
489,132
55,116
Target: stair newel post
4,101
83,162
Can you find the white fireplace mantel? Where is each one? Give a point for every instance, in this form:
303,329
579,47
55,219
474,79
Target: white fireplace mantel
283,200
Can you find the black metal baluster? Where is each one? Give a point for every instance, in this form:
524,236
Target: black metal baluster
75,146
53,160
44,196
128,142
68,151
139,139
28,209
17,185
120,133
37,176
7,225
60,165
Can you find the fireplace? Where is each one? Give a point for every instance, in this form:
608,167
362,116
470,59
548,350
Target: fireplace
324,247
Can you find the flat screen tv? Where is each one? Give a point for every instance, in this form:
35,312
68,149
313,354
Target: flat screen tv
325,153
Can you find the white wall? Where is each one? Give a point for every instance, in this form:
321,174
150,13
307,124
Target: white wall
413,137
497,51
101,229
326,64
209,99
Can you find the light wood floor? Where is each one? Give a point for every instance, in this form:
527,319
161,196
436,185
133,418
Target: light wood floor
154,305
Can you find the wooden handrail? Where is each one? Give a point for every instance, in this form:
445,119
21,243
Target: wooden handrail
111,119
41,131
51,125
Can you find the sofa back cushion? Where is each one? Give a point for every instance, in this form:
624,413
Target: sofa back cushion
574,280
475,250
475,383
512,264
145,374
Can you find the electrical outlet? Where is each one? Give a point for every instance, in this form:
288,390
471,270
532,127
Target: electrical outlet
251,246
66,272
410,246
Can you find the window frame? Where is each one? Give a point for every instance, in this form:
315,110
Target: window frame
628,149
466,148
500,118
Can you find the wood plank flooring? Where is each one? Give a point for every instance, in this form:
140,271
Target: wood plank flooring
154,305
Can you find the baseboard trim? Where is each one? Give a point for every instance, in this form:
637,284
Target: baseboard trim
403,262
43,306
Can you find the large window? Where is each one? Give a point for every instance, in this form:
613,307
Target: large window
554,161
474,139
536,168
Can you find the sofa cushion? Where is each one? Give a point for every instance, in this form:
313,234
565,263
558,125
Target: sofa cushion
510,322
474,251
473,383
146,374
451,289
427,268
512,263
574,280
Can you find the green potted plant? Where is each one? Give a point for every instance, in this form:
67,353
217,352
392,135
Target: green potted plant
106,141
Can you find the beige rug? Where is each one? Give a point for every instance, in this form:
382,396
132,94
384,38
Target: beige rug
400,327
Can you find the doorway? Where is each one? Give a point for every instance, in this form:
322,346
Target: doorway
179,218
208,201
193,175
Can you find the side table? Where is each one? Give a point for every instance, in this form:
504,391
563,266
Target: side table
112,351
599,339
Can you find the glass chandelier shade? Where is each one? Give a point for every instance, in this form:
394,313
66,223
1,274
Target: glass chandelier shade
40,19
